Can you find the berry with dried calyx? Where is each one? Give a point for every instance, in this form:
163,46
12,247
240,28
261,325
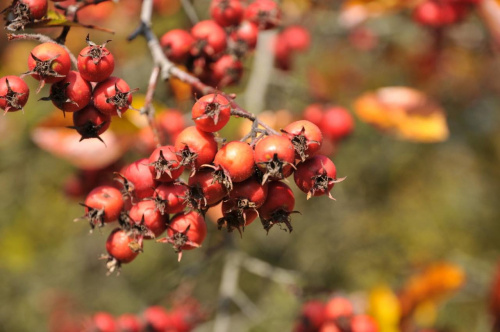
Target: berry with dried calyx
14,93
90,123
95,62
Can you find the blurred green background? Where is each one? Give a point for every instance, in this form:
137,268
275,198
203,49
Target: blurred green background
403,205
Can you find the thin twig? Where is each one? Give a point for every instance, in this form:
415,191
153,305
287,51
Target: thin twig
148,108
190,12
42,39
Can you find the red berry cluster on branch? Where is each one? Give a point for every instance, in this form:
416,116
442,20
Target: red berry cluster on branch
439,13
336,315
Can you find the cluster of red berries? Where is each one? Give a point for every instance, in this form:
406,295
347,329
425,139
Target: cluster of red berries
438,13
244,177
213,49
182,318
91,93
336,315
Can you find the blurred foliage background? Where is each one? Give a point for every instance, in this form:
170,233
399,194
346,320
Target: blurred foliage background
404,204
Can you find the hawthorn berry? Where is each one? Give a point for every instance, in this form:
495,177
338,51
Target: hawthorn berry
24,12
210,39
103,205
205,190
249,193
211,112
337,123
90,123
245,37
306,138
48,63
121,248
235,217
265,13
14,93
338,307
278,206
137,179
164,164
95,62
177,44
148,219
296,37
129,323
186,231
226,12
316,176
71,94
236,161
275,157
313,113
227,70
113,96
170,197
104,322
363,323
157,319
195,147
313,315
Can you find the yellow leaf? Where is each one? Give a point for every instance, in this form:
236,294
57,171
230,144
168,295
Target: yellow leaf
384,308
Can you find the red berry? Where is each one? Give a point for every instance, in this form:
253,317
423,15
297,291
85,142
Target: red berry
235,217
226,71
113,96
119,246
14,93
164,164
211,112
278,206
170,197
177,44
314,114
157,319
90,123
245,37
71,94
265,13
196,147
313,314
337,123
104,322
30,9
205,191
48,63
306,138
103,205
338,307
129,323
95,62
275,155
210,38
236,159
186,231
296,37
226,12
316,176
329,327
145,213
363,323
140,178
250,190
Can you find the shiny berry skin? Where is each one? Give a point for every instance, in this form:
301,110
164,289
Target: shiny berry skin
226,12
306,138
141,178
316,176
177,44
236,158
227,70
296,37
250,190
363,323
265,13
14,93
211,190
278,205
90,123
145,213
338,307
210,38
103,205
104,322
71,94
196,147
95,62
337,123
275,155
118,247
129,323
170,197
164,164
113,96
211,112
49,63
192,225
37,9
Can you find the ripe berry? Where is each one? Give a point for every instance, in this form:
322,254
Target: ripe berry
245,38
122,248
265,13
25,11
14,93
195,147
235,217
306,138
186,232
226,12
329,327
226,71
436,13
236,159
103,322
170,197
316,176
296,37
205,190
313,314
337,123
275,155
129,323
90,123
177,44
363,323
48,63
164,164
71,94
145,214
210,39
250,193
113,96
338,307
139,182
211,112
278,206
314,114
95,62
103,205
